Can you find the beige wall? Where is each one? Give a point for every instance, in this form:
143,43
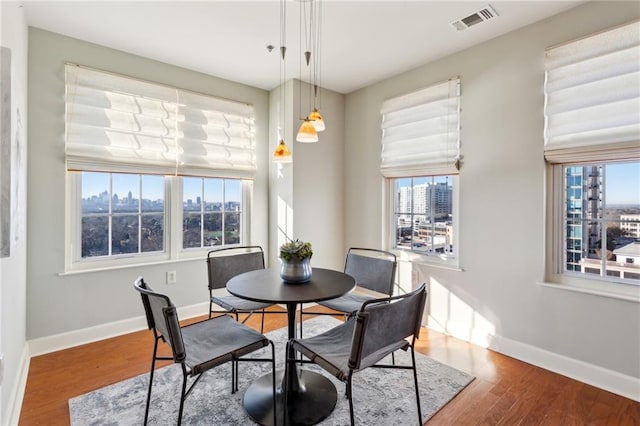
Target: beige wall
496,298
62,303
307,196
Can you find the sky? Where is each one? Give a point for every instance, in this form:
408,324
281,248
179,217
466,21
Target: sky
153,187
622,185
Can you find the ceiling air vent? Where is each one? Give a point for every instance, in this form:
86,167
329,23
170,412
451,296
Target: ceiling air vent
477,17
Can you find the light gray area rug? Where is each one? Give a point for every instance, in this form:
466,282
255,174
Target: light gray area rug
381,396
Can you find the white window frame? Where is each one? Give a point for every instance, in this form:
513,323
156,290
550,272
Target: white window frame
199,252
555,253
591,117
421,138
173,250
175,132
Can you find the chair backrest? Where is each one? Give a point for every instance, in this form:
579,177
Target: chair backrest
225,263
382,326
162,318
372,269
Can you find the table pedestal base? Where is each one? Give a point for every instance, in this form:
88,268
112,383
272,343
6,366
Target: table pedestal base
312,403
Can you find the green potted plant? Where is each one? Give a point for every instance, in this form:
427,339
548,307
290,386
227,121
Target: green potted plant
295,249
296,261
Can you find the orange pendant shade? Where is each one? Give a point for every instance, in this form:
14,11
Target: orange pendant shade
316,119
307,133
282,153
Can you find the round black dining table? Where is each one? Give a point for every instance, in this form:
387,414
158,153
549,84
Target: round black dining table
311,397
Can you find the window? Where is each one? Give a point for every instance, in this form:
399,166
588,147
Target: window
598,197
212,212
154,172
592,142
127,218
121,214
423,214
420,159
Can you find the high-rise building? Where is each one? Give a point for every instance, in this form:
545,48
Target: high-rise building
427,200
584,201
630,224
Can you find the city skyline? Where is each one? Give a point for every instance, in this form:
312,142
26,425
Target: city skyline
623,185
94,184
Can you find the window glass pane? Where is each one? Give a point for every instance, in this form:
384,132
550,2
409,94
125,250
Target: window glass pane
95,236
152,194
220,215
212,229
152,233
423,214
124,236
125,192
192,236
213,194
602,218
111,209
622,187
232,194
232,228
191,194
95,192
592,240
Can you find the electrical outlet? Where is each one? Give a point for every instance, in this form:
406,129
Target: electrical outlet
171,277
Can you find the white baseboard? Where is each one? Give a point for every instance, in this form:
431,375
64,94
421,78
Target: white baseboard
609,380
17,393
73,338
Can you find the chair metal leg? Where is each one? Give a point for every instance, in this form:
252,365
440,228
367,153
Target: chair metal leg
273,383
262,323
153,367
233,376
183,395
350,396
415,381
237,376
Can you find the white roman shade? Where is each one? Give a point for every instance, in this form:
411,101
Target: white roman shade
421,132
124,125
592,93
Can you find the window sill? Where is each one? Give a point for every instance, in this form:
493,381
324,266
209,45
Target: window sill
629,293
126,266
429,261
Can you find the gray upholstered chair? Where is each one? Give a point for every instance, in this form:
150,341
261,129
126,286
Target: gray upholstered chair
379,327
224,264
201,346
372,269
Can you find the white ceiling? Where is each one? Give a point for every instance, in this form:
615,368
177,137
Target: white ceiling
362,41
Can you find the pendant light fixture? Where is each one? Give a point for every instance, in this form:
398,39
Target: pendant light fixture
308,132
315,117
316,120
282,154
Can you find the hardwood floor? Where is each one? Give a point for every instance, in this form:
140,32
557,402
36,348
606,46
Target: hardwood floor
505,391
